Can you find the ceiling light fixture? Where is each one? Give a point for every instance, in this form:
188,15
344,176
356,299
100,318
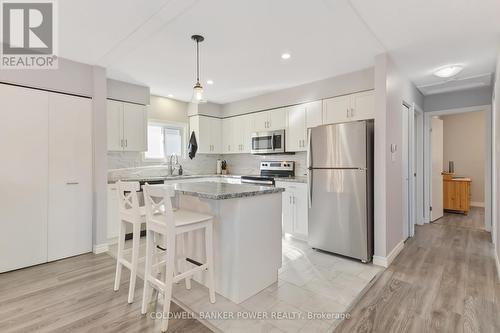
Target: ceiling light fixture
170,96
210,82
197,89
285,56
448,71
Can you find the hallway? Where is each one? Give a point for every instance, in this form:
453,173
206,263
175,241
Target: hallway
444,280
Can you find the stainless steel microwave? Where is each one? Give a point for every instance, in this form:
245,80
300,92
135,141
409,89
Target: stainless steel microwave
272,142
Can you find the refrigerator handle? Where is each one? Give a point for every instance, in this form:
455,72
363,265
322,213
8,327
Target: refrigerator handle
309,168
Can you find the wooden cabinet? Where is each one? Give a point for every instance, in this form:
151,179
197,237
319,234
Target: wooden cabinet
208,131
296,131
358,106
456,194
270,120
294,209
127,126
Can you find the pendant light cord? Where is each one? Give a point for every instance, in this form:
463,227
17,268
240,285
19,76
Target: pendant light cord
197,61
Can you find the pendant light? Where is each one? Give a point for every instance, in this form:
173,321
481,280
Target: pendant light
197,89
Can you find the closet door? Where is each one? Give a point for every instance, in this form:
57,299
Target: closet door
70,176
23,177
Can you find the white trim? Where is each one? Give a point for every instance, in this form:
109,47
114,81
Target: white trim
100,248
386,261
477,204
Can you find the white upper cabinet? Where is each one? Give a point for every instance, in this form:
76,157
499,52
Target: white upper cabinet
363,105
247,130
208,131
314,114
296,132
127,126
336,110
237,134
358,106
228,136
269,120
115,125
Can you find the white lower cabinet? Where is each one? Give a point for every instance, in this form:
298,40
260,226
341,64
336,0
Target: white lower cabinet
46,192
294,209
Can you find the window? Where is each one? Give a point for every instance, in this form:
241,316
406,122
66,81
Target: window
163,141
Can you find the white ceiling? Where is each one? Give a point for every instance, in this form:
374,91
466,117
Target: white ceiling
148,42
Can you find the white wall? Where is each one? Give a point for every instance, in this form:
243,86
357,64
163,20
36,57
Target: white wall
464,142
335,86
391,89
167,109
127,92
458,99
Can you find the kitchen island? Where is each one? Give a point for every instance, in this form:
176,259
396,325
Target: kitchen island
247,234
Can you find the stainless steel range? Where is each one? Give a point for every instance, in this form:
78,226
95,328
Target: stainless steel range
269,170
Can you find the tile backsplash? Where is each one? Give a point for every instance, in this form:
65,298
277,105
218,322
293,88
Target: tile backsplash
202,164
247,164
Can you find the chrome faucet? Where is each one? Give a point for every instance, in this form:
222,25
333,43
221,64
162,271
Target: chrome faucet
173,162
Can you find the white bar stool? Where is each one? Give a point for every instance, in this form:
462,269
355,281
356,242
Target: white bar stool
163,221
129,213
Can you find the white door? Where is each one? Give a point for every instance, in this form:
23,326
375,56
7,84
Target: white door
300,220
115,125
336,110
227,136
70,176
23,190
362,106
314,114
437,168
296,129
215,135
277,119
261,121
135,127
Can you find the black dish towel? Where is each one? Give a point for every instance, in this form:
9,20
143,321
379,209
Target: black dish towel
193,146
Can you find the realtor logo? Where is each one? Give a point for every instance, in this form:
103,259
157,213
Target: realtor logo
28,34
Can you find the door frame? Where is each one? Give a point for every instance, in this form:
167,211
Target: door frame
488,163
412,149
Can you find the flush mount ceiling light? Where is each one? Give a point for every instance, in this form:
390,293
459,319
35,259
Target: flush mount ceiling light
170,96
448,71
197,89
285,56
210,82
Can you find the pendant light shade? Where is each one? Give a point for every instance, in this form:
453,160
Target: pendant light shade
197,89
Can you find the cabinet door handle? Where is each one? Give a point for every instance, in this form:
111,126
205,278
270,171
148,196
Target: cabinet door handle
294,200
126,143
71,183
121,143
290,200
347,113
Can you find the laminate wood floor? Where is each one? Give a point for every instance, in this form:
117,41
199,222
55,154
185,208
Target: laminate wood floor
444,280
474,220
76,295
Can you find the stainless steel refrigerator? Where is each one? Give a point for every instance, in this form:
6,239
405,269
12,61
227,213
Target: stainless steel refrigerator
340,170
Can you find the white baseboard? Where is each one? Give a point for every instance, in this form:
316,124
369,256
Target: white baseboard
477,204
100,248
386,261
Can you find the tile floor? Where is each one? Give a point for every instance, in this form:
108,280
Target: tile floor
309,283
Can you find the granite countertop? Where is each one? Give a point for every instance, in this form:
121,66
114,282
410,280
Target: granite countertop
153,178
221,191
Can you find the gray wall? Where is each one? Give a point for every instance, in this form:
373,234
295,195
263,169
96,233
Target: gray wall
128,92
167,109
458,99
339,85
391,89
